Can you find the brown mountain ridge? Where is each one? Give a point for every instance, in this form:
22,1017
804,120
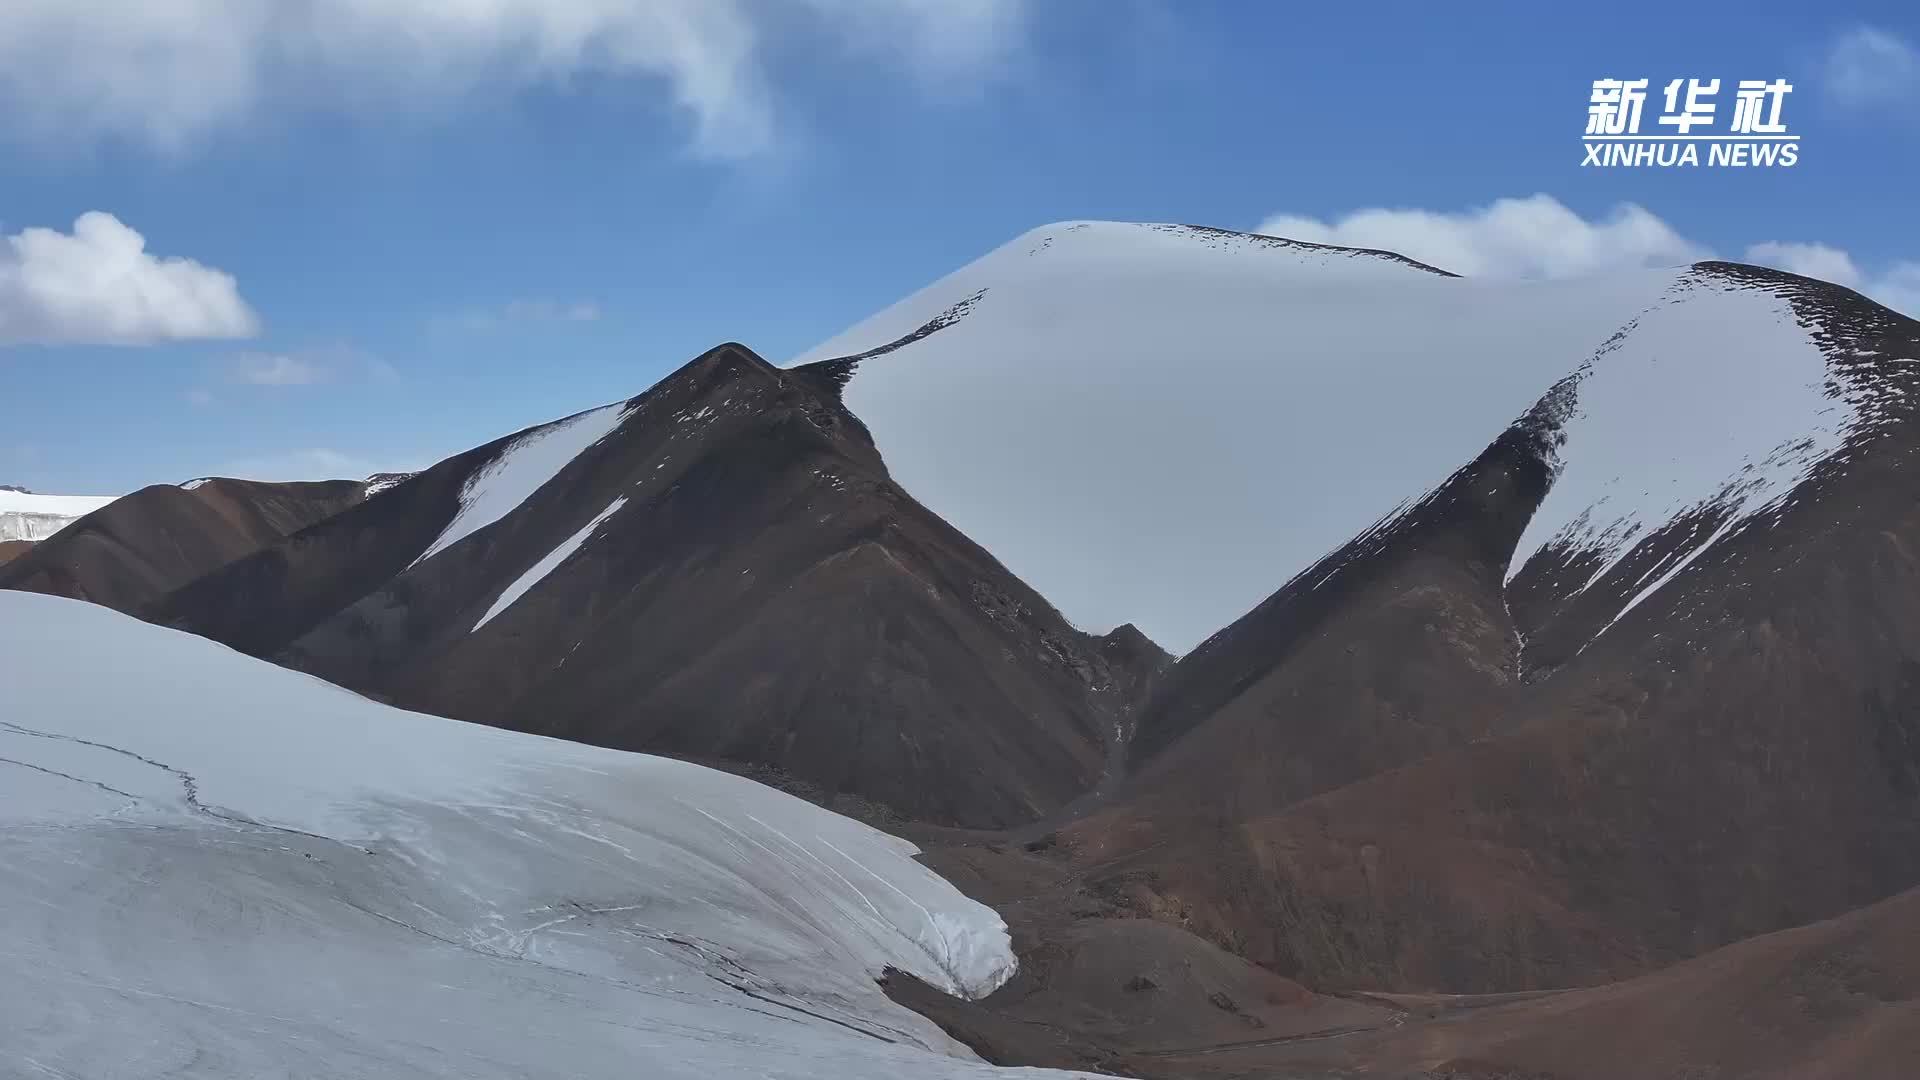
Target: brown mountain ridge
141,546
764,595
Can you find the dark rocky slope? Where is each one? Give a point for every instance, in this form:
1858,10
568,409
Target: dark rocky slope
1396,647
764,594
1098,990
1737,754
137,548
1837,999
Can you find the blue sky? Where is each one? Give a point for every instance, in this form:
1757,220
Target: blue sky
438,230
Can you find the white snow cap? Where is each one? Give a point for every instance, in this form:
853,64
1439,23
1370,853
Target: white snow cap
1161,425
211,864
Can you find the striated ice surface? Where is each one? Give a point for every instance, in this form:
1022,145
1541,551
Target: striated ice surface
213,867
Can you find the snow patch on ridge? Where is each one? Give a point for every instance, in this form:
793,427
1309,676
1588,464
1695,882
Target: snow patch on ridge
523,467
1714,402
380,482
212,865
547,564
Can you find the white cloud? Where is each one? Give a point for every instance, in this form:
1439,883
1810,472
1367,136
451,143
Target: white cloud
1868,66
168,72
98,285
550,310
478,319
199,397
1539,237
1898,286
277,369
942,37
305,367
1536,236
1810,260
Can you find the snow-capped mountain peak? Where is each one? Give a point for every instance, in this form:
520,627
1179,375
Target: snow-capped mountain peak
1161,424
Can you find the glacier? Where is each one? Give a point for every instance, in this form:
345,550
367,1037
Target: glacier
25,515
211,866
